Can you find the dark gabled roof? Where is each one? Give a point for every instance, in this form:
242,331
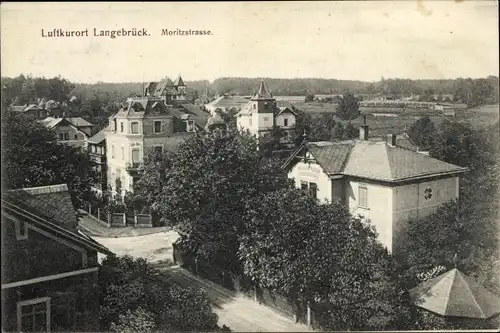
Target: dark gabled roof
53,201
332,156
46,216
374,159
262,93
179,82
200,117
283,109
98,137
79,122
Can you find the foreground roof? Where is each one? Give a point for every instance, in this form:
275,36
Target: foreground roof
374,159
48,208
454,294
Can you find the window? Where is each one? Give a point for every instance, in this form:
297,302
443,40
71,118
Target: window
310,188
61,136
112,151
157,128
92,148
253,106
135,155
21,230
266,119
313,189
266,106
286,136
66,136
159,149
134,127
121,126
250,121
303,185
362,196
34,315
285,122
123,153
114,125
76,137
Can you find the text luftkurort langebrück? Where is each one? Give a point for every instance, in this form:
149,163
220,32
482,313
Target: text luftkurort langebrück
133,32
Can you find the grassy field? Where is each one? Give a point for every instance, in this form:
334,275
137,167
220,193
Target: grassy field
383,125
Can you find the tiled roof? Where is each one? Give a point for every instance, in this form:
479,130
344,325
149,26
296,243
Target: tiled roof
214,120
245,110
455,294
98,137
52,201
200,117
331,155
375,159
229,102
79,122
378,160
14,205
282,109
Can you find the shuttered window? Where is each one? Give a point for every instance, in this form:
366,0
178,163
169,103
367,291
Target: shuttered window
362,196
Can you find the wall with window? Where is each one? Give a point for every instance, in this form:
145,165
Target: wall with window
70,135
263,121
285,119
419,200
162,126
312,173
373,202
69,305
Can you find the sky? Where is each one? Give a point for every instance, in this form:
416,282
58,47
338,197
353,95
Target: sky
363,40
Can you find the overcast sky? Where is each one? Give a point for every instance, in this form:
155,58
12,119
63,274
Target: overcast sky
350,40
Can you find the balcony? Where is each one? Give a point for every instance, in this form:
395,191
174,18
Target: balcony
134,168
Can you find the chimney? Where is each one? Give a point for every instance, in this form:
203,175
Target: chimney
391,140
363,132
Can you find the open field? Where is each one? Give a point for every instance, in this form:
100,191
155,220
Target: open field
382,125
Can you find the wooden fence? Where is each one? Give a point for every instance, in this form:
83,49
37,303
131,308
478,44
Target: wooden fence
120,220
244,286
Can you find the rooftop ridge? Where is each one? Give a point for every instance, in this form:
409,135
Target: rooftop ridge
41,189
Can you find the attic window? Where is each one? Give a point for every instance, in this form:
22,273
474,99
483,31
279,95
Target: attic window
266,106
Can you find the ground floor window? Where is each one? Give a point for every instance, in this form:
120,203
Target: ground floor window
34,315
310,187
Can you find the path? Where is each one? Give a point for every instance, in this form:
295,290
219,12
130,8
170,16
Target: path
236,311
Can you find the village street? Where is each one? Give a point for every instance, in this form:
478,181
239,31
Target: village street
238,312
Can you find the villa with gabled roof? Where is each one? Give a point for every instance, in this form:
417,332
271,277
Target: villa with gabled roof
386,181
261,115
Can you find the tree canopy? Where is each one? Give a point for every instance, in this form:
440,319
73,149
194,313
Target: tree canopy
202,188
133,301
32,157
322,255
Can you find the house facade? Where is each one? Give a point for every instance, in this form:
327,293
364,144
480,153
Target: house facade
261,115
377,179
50,280
96,147
31,111
226,103
143,125
168,91
71,131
